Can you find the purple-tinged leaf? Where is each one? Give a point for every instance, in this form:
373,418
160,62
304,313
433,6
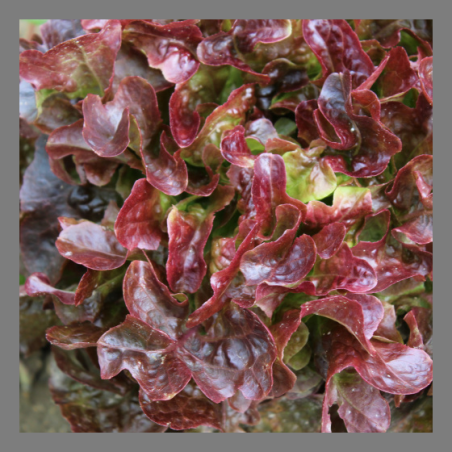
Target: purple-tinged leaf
56,31
149,300
387,32
106,127
210,26
219,50
338,49
415,340
393,367
412,198
138,222
261,130
426,77
361,406
342,271
237,352
43,198
284,262
68,140
188,233
244,352
71,337
91,245
391,260
104,308
55,111
342,129
290,101
286,75
170,48
268,298
419,321
283,378
398,77
234,148
78,66
304,117
387,330
97,285
238,403
190,408
137,347
248,33
38,284
221,282
131,62
329,239
165,170
360,314
414,126
242,180
269,191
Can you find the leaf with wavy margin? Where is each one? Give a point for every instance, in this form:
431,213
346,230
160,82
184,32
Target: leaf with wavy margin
170,47
138,221
91,245
338,48
77,67
391,260
412,197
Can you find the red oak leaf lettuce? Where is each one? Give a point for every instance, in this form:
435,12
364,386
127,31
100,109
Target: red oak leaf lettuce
229,225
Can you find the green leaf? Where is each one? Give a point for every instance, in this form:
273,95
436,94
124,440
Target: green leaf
36,21
308,178
285,126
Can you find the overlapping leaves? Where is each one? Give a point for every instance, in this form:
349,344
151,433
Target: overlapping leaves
269,191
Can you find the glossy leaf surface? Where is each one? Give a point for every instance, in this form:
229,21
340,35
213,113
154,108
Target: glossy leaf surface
79,66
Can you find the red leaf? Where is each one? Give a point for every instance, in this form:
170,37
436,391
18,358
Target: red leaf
38,284
329,239
188,409
138,221
170,48
70,337
426,76
342,129
391,260
149,300
338,48
188,233
269,191
91,245
78,66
